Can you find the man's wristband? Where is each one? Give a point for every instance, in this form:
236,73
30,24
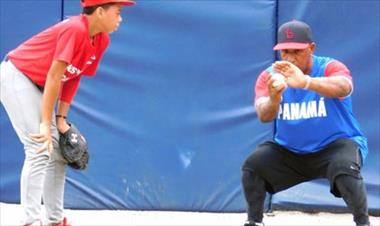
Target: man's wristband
308,81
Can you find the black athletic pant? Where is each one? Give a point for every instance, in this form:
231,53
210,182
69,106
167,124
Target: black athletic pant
272,168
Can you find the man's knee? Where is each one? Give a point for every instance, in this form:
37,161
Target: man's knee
341,168
247,178
252,163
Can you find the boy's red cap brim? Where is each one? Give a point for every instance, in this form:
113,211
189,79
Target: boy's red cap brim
88,3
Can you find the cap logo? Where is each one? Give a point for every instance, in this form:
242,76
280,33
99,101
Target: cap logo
289,33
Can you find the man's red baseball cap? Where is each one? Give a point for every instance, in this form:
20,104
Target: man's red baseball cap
293,35
87,3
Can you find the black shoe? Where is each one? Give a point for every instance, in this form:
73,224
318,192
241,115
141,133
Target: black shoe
363,224
252,223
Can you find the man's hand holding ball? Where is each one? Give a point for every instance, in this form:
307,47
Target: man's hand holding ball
279,80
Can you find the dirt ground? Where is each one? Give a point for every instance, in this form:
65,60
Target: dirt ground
9,213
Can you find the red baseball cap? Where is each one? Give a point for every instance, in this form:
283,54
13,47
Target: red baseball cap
87,3
293,35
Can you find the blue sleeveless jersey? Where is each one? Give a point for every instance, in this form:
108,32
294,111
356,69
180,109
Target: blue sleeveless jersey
307,121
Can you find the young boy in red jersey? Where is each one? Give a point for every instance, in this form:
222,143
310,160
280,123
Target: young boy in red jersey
33,76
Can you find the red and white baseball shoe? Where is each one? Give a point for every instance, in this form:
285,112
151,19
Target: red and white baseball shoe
64,222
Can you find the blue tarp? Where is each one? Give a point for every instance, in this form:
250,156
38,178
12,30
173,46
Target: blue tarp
169,115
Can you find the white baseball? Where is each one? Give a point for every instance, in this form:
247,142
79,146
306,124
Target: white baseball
279,79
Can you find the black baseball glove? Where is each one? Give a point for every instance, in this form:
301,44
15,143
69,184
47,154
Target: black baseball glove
74,148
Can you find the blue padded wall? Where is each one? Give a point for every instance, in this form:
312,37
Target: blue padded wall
174,99
169,115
